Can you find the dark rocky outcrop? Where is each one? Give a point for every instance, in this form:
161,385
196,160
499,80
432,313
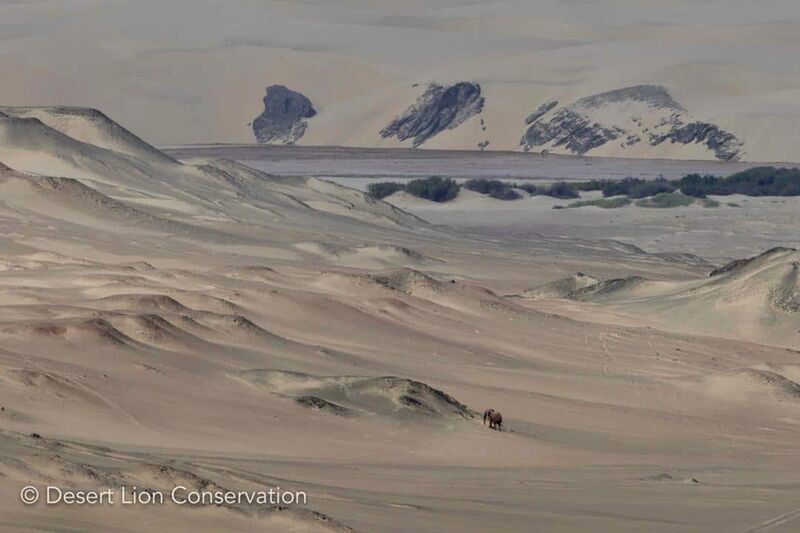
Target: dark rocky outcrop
438,109
572,130
724,145
542,111
654,96
583,126
284,118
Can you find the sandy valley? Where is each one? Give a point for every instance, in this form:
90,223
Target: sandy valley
203,323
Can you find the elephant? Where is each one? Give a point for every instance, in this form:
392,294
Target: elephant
495,419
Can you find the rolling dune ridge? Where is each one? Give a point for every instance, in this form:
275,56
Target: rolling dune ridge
202,323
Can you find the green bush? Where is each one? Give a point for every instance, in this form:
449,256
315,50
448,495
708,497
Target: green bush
634,187
665,200
605,203
383,189
759,181
591,185
699,186
560,190
529,188
435,188
494,188
619,188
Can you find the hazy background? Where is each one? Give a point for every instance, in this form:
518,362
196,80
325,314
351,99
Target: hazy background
189,71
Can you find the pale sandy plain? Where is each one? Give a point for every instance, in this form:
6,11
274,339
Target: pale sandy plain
200,322
194,71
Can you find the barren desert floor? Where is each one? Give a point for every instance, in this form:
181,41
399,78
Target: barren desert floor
202,323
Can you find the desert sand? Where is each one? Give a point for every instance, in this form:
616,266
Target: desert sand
200,322
179,80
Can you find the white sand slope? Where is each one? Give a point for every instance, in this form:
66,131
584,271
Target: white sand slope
90,126
756,299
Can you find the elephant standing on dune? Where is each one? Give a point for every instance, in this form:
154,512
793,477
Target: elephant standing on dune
495,419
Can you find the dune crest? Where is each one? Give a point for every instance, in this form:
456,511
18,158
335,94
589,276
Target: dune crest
91,126
348,395
757,298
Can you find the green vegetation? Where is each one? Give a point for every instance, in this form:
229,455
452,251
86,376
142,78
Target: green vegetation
494,188
605,203
630,187
435,188
383,189
503,191
760,181
665,200
529,188
561,190
440,189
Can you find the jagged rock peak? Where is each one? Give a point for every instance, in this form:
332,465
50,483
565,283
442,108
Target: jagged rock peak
642,116
652,95
542,111
440,108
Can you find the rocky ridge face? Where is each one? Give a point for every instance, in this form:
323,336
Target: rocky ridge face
284,118
542,111
438,109
630,116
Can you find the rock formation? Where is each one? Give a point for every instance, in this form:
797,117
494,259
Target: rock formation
284,118
438,109
633,115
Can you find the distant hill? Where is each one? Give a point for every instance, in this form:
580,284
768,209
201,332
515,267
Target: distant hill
684,79
756,298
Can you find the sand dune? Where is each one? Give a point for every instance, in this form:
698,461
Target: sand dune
349,395
141,302
92,127
206,324
754,298
562,288
380,256
123,182
79,331
752,383
28,144
34,458
48,384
